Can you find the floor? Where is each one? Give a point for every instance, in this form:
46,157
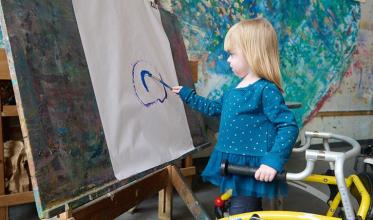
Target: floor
297,200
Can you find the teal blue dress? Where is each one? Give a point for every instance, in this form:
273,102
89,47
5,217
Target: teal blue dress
256,127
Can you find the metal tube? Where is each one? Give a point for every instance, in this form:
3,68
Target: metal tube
342,188
327,148
355,145
317,134
305,146
306,172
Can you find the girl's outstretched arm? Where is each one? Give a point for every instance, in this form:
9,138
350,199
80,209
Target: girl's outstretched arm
199,103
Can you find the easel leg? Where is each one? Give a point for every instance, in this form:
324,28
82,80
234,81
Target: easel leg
3,210
4,213
188,163
165,201
67,215
178,181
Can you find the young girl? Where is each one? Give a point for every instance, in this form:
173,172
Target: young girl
256,127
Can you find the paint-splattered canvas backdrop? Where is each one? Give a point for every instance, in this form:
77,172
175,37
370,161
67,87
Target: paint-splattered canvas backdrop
317,40
356,91
355,95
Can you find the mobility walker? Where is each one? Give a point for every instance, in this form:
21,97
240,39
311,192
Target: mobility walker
360,186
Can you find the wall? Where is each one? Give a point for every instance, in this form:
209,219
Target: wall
356,91
325,54
316,41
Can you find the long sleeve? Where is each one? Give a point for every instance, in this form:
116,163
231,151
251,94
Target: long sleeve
284,121
199,103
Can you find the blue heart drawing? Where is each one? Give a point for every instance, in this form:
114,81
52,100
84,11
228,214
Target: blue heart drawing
139,72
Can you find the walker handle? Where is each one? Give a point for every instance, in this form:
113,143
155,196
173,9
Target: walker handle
226,169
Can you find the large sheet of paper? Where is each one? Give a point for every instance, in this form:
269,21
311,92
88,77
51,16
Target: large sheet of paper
125,45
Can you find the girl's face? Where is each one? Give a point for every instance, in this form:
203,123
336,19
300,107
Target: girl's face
238,63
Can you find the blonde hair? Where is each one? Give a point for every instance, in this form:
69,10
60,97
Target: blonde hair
257,40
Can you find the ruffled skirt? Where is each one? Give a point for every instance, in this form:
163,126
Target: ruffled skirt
241,185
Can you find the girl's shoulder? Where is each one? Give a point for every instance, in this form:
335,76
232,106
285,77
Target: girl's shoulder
269,86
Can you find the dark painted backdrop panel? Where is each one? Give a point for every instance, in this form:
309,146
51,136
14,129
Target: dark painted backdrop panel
69,151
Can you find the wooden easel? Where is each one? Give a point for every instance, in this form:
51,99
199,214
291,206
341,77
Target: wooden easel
162,182
8,111
123,199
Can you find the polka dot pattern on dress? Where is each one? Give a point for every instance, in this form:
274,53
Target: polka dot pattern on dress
254,121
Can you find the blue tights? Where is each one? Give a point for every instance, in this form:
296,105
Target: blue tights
242,204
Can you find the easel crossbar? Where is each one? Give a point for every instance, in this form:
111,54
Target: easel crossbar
114,204
123,200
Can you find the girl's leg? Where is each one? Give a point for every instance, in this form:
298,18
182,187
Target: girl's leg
242,204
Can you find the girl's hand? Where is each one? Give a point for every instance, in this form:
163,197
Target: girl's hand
176,89
265,173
